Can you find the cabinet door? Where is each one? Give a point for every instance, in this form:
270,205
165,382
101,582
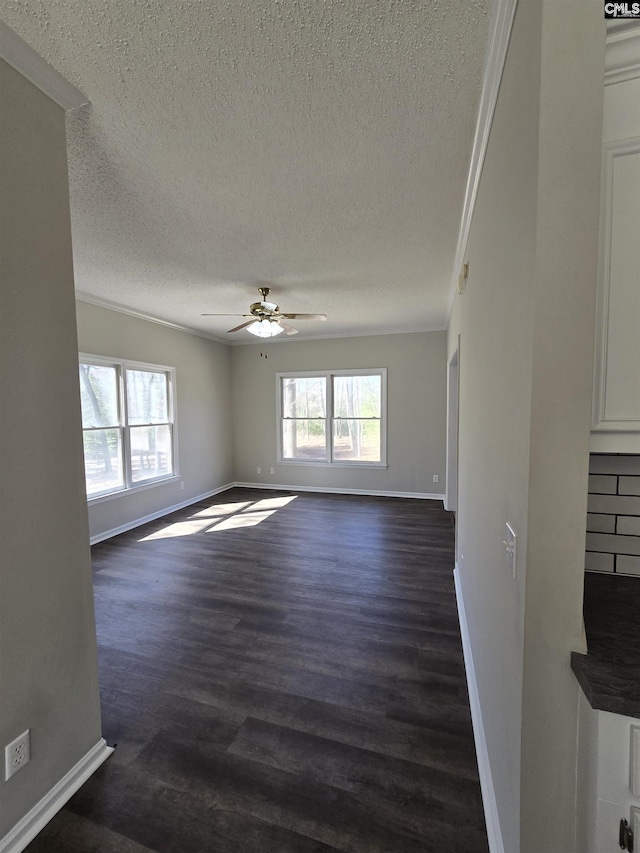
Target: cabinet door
617,369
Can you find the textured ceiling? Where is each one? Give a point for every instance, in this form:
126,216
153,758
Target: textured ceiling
319,146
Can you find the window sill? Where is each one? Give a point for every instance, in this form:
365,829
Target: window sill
142,487
310,464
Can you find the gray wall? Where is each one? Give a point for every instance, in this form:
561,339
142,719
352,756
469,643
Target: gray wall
203,402
526,325
48,667
416,387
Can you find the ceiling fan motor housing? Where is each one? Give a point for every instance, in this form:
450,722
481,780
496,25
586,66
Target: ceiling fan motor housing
264,309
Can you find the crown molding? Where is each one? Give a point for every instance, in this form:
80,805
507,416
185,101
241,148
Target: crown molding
140,315
280,339
622,56
81,296
31,65
499,34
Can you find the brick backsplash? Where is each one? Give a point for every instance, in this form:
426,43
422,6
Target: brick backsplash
613,514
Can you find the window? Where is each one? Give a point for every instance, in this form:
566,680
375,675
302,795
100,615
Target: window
333,417
127,424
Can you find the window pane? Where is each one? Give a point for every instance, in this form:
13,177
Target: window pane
99,395
147,397
357,396
304,397
356,440
103,460
304,439
150,452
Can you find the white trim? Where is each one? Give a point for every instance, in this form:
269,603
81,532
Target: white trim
622,55
611,151
140,315
103,497
329,418
31,65
81,296
498,41
138,522
453,405
436,327
494,834
338,490
111,361
40,815
614,442
309,463
121,367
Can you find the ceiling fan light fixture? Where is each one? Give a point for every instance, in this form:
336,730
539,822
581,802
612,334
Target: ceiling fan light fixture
265,329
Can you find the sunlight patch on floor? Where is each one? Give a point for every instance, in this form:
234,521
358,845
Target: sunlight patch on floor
273,503
180,528
223,517
221,509
250,519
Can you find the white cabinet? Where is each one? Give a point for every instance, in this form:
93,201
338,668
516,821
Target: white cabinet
616,406
605,770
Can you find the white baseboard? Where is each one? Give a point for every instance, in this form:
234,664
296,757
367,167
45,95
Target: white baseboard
40,815
494,833
330,490
138,522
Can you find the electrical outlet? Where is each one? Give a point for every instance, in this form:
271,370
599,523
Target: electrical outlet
182,484
16,755
272,470
258,470
435,478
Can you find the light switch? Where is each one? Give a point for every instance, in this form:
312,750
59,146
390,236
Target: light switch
634,762
509,543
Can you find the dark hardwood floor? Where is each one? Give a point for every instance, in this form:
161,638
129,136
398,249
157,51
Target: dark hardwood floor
281,673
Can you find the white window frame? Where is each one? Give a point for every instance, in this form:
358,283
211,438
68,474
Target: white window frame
328,375
121,366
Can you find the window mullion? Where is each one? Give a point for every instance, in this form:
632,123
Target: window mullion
171,415
124,427
330,414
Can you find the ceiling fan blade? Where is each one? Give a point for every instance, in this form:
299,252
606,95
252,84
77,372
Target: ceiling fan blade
241,326
305,316
225,315
288,330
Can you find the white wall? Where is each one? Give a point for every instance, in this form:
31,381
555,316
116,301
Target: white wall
494,321
569,156
203,404
48,666
526,339
416,385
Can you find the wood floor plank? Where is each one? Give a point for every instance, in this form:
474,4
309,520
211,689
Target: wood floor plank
281,673
411,794
75,834
320,811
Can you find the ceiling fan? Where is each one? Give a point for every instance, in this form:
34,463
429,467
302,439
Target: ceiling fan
267,320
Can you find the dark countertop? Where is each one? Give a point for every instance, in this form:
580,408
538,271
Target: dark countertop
610,673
